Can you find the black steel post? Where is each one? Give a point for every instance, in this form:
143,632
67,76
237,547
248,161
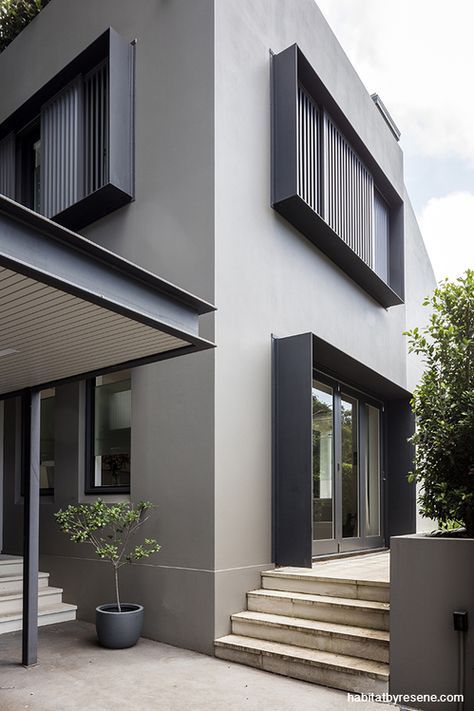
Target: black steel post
30,466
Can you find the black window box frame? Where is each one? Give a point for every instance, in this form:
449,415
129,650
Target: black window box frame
119,190
289,69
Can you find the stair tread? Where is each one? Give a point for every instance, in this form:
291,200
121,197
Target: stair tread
338,662
324,599
17,577
58,607
326,628
19,595
8,559
301,574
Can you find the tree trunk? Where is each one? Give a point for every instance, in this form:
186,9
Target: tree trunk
117,589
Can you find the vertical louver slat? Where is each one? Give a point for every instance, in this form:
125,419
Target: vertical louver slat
308,133
7,165
96,119
349,188
60,128
381,242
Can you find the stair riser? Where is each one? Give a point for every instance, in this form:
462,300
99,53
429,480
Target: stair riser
363,648
15,625
312,586
357,617
13,587
44,601
11,569
355,683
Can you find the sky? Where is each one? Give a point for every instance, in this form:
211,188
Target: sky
418,55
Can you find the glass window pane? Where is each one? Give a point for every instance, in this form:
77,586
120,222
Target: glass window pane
323,462
350,467
112,418
373,471
47,439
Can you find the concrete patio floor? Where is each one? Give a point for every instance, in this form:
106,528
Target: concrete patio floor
75,673
365,566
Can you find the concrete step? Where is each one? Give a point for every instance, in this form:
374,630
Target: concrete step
10,584
306,581
334,670
11,565
357,613
47,597
313,634
62,612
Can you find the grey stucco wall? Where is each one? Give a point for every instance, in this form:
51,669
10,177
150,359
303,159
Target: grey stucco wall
201,425
270,279
168,229
430,578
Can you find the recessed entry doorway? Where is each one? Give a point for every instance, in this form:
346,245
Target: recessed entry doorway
347,460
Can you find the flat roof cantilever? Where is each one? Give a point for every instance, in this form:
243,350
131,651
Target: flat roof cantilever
69,307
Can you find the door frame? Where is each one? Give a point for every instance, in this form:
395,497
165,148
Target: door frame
339,544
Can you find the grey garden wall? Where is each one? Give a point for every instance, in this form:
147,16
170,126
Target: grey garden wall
430,578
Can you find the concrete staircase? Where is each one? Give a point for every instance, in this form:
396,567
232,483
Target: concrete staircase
326,630
51,608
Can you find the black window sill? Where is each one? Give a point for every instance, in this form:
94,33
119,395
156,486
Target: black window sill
106,490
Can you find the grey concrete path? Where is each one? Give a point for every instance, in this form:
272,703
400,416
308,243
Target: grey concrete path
75,673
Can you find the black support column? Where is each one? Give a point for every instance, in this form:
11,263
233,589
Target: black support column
30,467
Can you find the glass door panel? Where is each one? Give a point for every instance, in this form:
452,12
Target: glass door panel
372,473
350,466
323,462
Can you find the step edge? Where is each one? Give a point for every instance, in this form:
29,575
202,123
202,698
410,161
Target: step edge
48,590
325,579
234,642
372,605
54,609
295,623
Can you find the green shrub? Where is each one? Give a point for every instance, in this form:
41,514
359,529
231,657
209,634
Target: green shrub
443,404
14,16
110,531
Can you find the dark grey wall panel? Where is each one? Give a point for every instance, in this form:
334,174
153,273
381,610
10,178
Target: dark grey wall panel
7,165
121,112
292,445
401,498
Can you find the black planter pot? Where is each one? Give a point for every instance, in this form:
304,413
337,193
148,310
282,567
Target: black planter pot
118,630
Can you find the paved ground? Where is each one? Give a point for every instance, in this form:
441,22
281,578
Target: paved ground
75,673
369,566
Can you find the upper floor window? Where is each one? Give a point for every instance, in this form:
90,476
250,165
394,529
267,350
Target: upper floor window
327,187
65,153
108,433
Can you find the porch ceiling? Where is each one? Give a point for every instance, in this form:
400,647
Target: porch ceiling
69,308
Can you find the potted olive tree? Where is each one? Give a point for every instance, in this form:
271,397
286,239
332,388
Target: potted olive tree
432,574
111,530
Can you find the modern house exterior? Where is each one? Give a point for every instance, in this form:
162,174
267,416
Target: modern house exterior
230,148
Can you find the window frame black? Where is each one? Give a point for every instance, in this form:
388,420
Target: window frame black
89,454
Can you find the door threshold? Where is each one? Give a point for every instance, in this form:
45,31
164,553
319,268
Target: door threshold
348,554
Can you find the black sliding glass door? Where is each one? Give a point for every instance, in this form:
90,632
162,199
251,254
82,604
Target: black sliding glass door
347,469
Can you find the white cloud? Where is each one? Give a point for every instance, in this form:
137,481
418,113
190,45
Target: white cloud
447,225
418,56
